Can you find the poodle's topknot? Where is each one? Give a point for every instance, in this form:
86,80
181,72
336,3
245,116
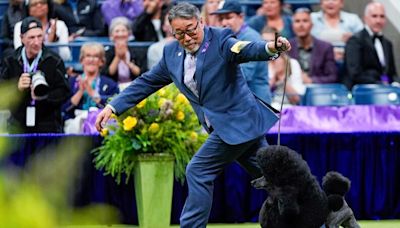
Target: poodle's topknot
335,183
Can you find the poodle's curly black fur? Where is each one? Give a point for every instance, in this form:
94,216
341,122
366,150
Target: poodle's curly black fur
295,196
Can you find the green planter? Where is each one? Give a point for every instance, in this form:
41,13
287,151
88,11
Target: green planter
154,178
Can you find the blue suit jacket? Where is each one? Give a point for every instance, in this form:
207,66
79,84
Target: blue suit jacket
235,114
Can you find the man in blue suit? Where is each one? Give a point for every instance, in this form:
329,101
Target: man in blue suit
204,65
255,72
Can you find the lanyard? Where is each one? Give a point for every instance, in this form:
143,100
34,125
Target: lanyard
29,68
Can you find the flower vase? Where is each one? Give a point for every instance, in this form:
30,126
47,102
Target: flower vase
154,176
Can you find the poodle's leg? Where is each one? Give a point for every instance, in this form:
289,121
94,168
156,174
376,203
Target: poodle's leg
201,172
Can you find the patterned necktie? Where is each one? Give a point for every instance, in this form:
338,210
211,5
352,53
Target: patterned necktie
190,69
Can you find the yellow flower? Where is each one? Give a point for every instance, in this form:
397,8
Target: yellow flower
141,104
154,127
180,116
180,98
161,92
193,136
161,102
129,123
104,132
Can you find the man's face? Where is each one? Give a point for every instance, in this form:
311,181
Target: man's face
233,21
375,18
188,32
151,6
33,41
302,24
331,7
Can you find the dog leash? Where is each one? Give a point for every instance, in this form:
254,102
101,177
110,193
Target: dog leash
284,88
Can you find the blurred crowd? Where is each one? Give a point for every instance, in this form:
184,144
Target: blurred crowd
328,46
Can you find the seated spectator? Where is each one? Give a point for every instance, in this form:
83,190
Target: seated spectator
209,7
40,77
369,55
148,26
122,63
334,25
90,89
255,72
155,51
55,31
13,14
273,17
130,9
82,17
295,87
315,56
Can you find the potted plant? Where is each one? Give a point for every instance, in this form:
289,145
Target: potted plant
148,140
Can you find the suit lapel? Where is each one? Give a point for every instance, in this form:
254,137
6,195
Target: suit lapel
370,43
201,57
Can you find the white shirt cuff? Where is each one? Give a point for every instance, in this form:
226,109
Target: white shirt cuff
269,52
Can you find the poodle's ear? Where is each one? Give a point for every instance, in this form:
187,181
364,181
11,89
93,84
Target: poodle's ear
335,183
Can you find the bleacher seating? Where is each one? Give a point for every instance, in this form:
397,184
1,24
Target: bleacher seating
377,94
333,94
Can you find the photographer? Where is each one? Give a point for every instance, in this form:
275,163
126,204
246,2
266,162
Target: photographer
40,78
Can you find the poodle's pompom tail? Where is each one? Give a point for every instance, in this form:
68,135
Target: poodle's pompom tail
335,202
335,183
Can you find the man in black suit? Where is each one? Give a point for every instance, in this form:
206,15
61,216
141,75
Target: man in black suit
368,54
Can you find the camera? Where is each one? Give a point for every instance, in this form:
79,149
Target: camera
39,84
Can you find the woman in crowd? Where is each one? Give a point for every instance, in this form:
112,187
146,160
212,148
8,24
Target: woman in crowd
295,86
55,30
209,7
274,17
122,63
90,89
335,26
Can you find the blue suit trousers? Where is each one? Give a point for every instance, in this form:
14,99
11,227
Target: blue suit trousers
204,168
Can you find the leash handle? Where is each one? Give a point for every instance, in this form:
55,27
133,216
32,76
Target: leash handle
281,48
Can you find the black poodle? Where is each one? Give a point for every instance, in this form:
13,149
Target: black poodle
295,196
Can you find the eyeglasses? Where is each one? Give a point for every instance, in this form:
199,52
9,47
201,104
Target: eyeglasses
37,3
190,32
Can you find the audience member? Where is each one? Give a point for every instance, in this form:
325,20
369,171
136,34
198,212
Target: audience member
209,7
155,51
273,17
148,26
55,31
334,25
42,85
130,9
231,16
90,89
315,56
122,63
82,17
13,14
369,55
295,87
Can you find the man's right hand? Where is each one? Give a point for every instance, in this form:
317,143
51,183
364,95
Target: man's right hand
24,82
102,118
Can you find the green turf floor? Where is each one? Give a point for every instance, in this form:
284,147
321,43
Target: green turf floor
363,224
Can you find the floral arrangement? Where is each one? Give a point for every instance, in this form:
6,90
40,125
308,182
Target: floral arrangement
162,123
